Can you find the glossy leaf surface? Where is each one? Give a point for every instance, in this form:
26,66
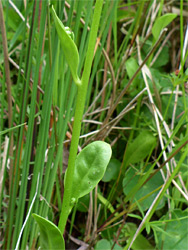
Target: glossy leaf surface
90,167
69,47
50,235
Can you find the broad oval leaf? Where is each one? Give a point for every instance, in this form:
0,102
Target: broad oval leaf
50,235
69,47
139,149
161,22
90,167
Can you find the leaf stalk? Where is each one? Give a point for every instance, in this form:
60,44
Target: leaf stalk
80,102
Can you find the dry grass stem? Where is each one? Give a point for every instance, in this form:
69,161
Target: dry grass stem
177,87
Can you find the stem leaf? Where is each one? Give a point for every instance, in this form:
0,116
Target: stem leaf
70,50
90,167
50,235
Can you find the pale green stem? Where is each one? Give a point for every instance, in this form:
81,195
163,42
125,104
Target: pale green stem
80,102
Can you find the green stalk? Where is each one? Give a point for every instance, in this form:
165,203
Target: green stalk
181,33
80,102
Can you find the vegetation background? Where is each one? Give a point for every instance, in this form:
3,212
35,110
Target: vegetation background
136,101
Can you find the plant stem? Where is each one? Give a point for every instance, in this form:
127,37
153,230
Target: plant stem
9,95
80,102
7,69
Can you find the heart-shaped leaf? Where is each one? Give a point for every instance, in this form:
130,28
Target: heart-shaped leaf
69,47
90,167
50,235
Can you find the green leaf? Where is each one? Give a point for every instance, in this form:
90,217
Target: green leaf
132,178
112,170
135,216
176,237
140,242
131,67
161,22
10,129
105,202
50,235
140,147
162,59
107,245
90,167
69,47
83,203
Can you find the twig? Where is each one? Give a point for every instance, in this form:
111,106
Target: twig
161,47
97,97
146,71
89,217
154,12
133,77
105,129
106,67
180,190
145,217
